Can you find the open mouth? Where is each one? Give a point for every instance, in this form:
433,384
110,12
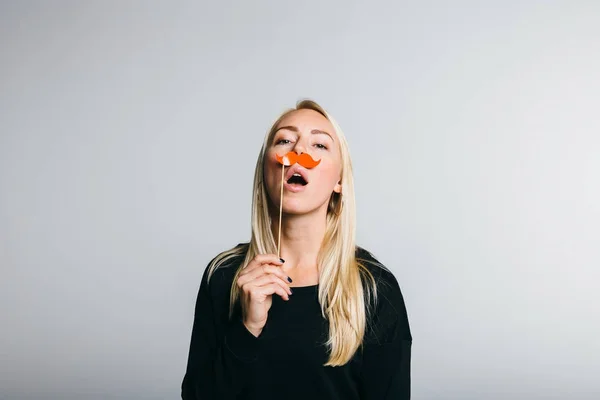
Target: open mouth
297,179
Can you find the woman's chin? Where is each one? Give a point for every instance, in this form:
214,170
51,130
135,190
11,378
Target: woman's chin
295,211
300,209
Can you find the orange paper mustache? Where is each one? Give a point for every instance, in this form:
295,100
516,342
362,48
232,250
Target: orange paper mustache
292,158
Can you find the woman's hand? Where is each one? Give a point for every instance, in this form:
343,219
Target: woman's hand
262,278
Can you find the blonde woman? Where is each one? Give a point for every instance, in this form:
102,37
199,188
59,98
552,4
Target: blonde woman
324,321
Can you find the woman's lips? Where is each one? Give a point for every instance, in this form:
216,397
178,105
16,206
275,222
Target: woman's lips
294,187
296,169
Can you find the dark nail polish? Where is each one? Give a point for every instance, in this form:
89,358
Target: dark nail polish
282,260
289,279
291,291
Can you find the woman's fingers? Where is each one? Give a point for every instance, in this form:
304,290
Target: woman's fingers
263,276
261,259
272,288
264,269
266,280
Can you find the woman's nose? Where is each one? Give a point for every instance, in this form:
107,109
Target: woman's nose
299,148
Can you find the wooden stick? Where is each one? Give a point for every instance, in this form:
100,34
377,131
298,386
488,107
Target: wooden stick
280,211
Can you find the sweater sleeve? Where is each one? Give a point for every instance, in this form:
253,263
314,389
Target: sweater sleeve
387,349
219,355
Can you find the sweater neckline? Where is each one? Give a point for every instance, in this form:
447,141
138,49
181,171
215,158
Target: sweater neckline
304,289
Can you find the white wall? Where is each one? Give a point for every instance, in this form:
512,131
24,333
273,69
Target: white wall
475,136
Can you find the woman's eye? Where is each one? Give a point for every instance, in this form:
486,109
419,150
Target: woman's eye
321,146
282,141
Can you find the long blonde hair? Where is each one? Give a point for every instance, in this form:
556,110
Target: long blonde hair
346,287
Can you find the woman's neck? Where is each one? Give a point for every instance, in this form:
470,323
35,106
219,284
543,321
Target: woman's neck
301,239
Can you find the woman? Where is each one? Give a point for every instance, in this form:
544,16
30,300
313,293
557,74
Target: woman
324,321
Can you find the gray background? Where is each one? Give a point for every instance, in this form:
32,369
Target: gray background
128,137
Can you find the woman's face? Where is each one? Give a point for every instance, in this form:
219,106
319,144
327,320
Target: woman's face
303,131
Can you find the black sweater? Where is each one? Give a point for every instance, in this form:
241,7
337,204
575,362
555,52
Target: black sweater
286,361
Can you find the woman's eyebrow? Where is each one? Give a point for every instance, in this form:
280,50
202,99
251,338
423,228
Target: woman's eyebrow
320,132
314,131
289,128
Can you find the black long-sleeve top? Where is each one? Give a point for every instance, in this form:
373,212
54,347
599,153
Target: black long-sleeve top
286,360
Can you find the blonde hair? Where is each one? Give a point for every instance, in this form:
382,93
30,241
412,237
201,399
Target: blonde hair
344,295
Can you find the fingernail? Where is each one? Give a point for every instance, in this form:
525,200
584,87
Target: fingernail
289,279
291,291
282,260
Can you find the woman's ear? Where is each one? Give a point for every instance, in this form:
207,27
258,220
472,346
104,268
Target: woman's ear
338,187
